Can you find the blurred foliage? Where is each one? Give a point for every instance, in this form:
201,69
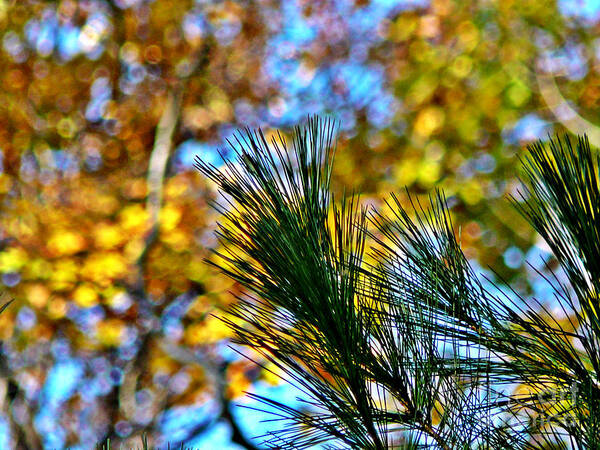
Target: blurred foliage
104,225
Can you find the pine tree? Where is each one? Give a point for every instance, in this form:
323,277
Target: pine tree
382,322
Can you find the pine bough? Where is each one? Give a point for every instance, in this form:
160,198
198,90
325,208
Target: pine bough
382,323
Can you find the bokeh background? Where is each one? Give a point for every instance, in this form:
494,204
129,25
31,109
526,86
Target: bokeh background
104,223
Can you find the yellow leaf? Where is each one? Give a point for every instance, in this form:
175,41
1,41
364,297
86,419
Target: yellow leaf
170,216
5,183
429,172
133,249
429,121
177,240
134,218
518,94
208,332
403,27
162,364
85,296
57,308
104,267
176,187
64,274
38,269
220,110
471,192
7,324
37,294
12,259
110,332
65,242
237,385
406,172
461,67
108,236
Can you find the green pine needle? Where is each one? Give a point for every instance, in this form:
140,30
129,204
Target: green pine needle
399,343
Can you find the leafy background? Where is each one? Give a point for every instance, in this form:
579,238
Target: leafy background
104,223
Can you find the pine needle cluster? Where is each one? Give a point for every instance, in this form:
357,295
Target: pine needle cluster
383,324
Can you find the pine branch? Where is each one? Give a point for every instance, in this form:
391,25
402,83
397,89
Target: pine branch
407,343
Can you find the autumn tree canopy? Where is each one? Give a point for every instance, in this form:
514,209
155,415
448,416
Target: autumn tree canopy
104,223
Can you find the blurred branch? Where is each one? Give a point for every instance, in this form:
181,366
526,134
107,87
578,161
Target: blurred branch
217,372
160,154
25,435
163,145
237,436
127,391
11,395
122,398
